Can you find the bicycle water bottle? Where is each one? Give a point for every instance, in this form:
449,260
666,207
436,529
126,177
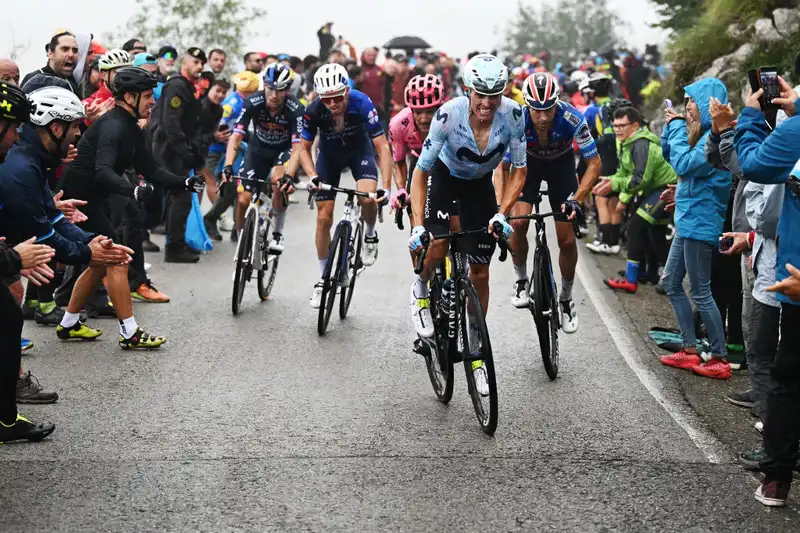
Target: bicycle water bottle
448,307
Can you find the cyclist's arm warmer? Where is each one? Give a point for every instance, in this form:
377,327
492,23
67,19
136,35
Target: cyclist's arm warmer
108,142
583,136
518,143
432,146
245,116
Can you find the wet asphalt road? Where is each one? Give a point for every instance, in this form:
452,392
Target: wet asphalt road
254,423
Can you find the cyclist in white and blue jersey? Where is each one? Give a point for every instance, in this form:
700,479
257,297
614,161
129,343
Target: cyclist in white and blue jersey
467,140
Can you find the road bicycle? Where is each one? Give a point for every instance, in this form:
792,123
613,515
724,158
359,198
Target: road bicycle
253,253
543,292
460,333
344,254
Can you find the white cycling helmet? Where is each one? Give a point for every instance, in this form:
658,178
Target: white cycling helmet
579,76
115,58
331,79
55,103
485,74
583,87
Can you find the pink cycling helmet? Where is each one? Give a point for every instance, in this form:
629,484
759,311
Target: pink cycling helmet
424,91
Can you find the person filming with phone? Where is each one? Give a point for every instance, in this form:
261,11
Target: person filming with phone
772,158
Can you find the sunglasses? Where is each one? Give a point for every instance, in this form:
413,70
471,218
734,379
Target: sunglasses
333,100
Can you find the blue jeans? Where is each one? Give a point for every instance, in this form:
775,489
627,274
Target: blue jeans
693,257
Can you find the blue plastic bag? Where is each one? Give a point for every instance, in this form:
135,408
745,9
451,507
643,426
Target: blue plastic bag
196,235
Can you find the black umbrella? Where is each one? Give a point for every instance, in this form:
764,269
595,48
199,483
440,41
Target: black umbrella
407,43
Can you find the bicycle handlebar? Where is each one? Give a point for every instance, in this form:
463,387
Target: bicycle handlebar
502,243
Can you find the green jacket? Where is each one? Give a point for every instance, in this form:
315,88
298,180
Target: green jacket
642,167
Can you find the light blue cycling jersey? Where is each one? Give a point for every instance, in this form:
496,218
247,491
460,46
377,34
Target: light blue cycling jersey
451,140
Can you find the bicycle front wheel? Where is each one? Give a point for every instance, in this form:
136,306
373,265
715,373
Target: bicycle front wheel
332,276
476,351
545,310
269,266
244,254
353,265
438,362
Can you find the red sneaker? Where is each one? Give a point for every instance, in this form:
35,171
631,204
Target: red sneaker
621,284
715,368
683,360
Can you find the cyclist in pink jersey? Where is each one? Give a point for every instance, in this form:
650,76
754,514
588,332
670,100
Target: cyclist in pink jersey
408,129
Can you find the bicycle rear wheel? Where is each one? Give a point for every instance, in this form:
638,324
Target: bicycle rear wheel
545,310
438,362
244,254
330,280
476,351
269,265
353,265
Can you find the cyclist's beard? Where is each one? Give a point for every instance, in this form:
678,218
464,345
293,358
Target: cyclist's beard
694,130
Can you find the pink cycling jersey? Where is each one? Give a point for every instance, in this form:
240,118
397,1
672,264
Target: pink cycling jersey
404,135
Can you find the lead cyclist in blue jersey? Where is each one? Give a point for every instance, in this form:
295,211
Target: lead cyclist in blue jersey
551,128
349,128
468,137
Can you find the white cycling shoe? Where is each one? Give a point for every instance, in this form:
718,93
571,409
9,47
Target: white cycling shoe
520,297
569,317
316,296
421,315
370,254
481,381
276,244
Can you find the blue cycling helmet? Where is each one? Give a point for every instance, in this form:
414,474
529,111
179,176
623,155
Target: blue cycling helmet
485,74
278,77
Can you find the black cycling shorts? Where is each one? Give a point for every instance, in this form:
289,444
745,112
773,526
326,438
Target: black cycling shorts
255,171
475,200
561,177
360,161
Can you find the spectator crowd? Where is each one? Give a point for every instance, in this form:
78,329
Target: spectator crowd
715,199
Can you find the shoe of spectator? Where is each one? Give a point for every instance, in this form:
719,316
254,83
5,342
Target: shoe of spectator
742,399
613,250
773,493
181,255
752,459
211,229
161,229
738,361
101,312
53,318
621,284
594,246
30,391
79,331
148,293
225,223
150,246
660,288
759,426
681,359
716,368
26,344
24,429
29,310
147,267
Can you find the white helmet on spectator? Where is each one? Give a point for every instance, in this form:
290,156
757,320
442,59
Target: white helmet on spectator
55,103
331,79
113,59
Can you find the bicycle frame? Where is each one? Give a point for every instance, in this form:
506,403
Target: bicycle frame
351,215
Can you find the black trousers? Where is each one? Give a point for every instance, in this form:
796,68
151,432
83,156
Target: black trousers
763,345
782,427
726,288
647,243
226,198
10,354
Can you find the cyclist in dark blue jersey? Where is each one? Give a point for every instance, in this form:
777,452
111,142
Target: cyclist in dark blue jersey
349,127
552,127
277,120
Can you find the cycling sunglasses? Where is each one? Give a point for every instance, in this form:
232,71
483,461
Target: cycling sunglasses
332,99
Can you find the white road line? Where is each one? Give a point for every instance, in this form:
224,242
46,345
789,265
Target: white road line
707,443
